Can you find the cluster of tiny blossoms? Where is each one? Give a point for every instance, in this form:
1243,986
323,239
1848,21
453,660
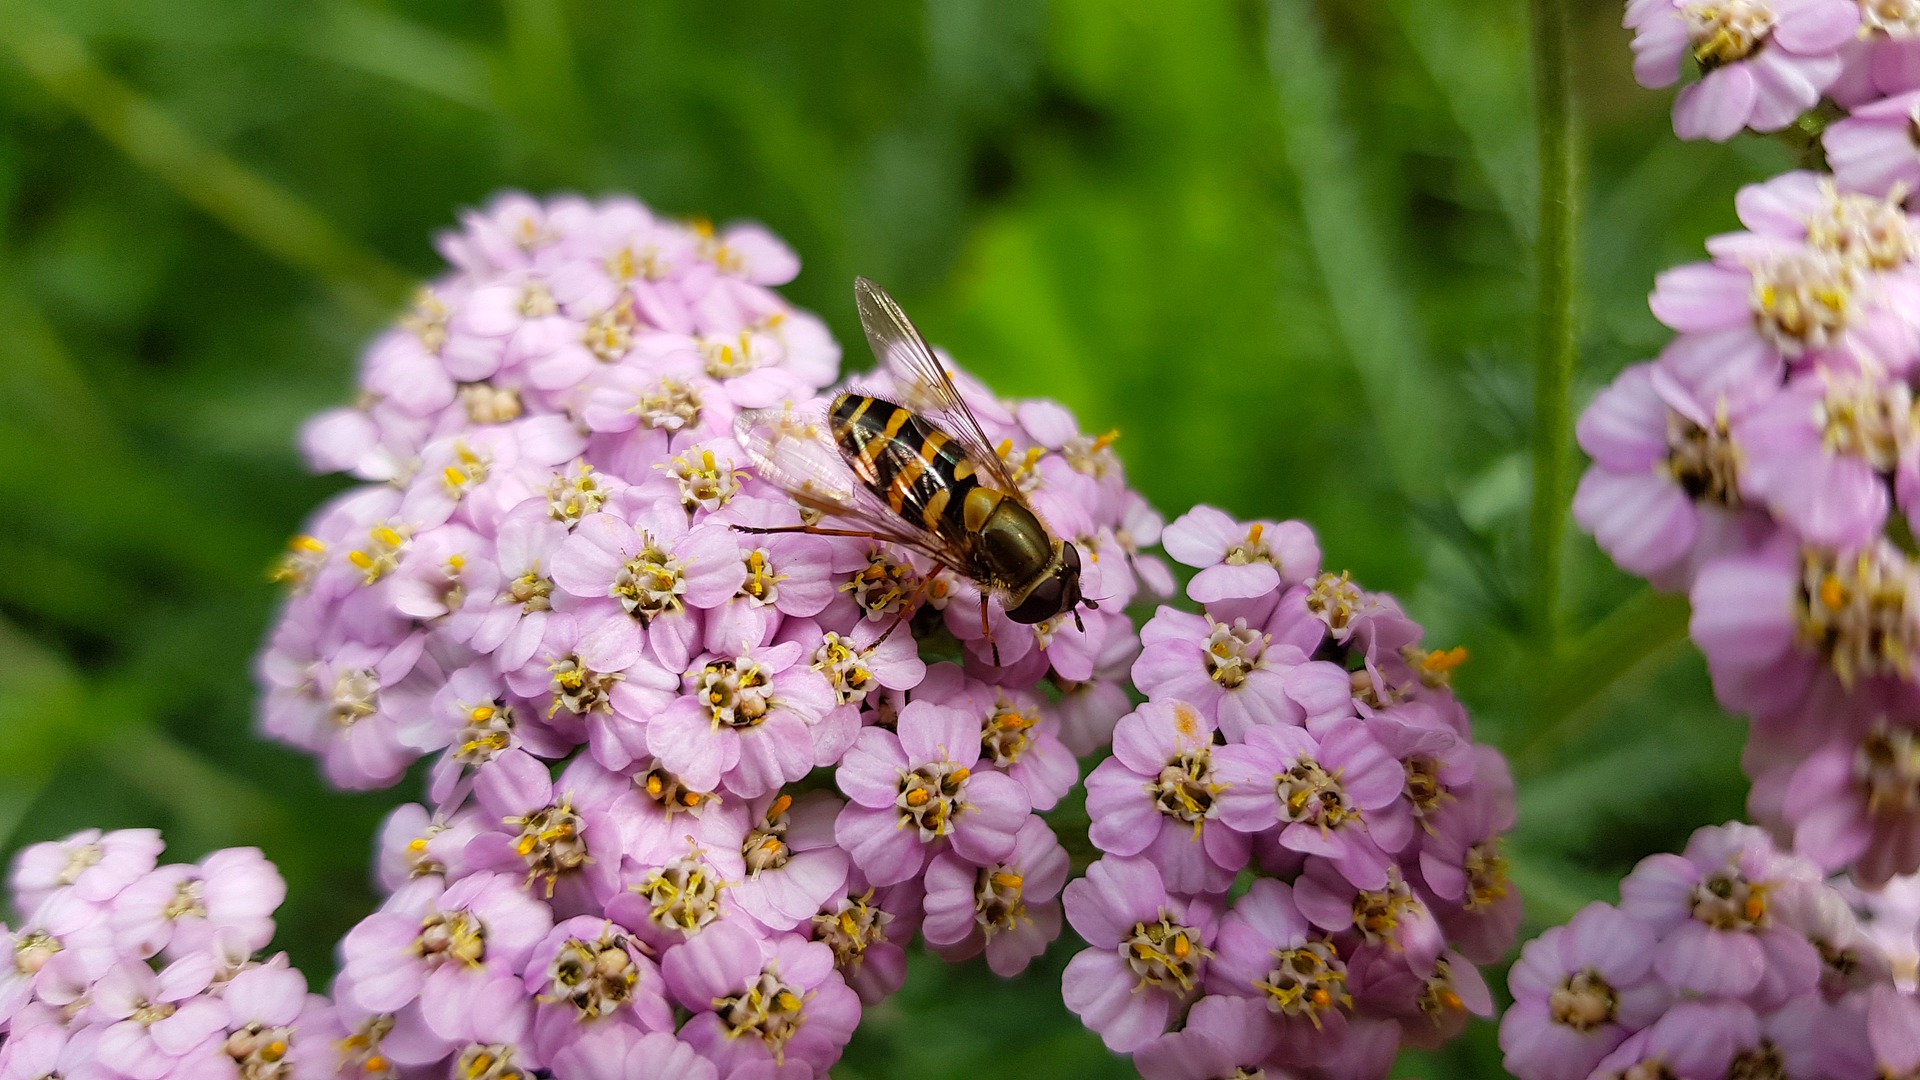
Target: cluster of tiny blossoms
693,787
1731,960
121,969
1768,460
1301,861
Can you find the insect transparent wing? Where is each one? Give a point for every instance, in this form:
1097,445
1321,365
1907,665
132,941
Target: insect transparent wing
793,451
923,383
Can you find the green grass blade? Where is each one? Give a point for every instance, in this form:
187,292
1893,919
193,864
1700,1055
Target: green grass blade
1372,306
253,206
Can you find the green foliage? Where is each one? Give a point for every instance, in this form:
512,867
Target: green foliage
1286,248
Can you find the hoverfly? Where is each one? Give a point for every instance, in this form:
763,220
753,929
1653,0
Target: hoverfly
924,477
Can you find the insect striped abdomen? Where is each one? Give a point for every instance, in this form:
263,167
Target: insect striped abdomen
917,469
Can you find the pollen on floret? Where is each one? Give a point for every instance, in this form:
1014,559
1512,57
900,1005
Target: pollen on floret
1726,31
1804,299
572,496
303,558
1859,612
381,556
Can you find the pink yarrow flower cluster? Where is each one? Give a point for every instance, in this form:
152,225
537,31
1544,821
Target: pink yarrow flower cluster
1730,959
119,968
1768,460
1295,731
693,787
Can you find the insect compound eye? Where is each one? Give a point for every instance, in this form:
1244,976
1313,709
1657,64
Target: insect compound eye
1059,592
1045,601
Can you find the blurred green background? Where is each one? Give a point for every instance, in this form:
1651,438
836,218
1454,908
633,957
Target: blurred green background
1287,248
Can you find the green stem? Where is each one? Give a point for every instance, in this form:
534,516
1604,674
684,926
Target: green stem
1557,353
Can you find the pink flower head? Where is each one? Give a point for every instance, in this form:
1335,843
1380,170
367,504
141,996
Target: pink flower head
415,844
476,478
1711,908
587,978
486,1021
1851,959
1390,919
153,1027
1269,951
270,1020
761,1000
429,939
923,789
178,909
1695,1039
1242,673
478,721
644,574
567,837
361,708
1578,991
1018,734
1740,324
94,865
1432,1004
1148,951
1890,917
793,864
787,576
1826,451
1009,909
1797,208
1764,62
592,684
1464,870
59,950
1240,562
1316,793
1664,494
1785,628
1848,804
508,620
748,722
683,875
856,667
49,1049
1160,797
866,929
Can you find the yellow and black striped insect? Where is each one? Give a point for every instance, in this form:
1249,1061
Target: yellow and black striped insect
918,472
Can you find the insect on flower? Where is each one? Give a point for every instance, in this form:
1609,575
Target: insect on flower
926,477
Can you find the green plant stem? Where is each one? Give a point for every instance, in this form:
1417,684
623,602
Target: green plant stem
268,215
1557,349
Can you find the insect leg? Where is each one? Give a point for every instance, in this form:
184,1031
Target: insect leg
811,530
986,628
907,609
